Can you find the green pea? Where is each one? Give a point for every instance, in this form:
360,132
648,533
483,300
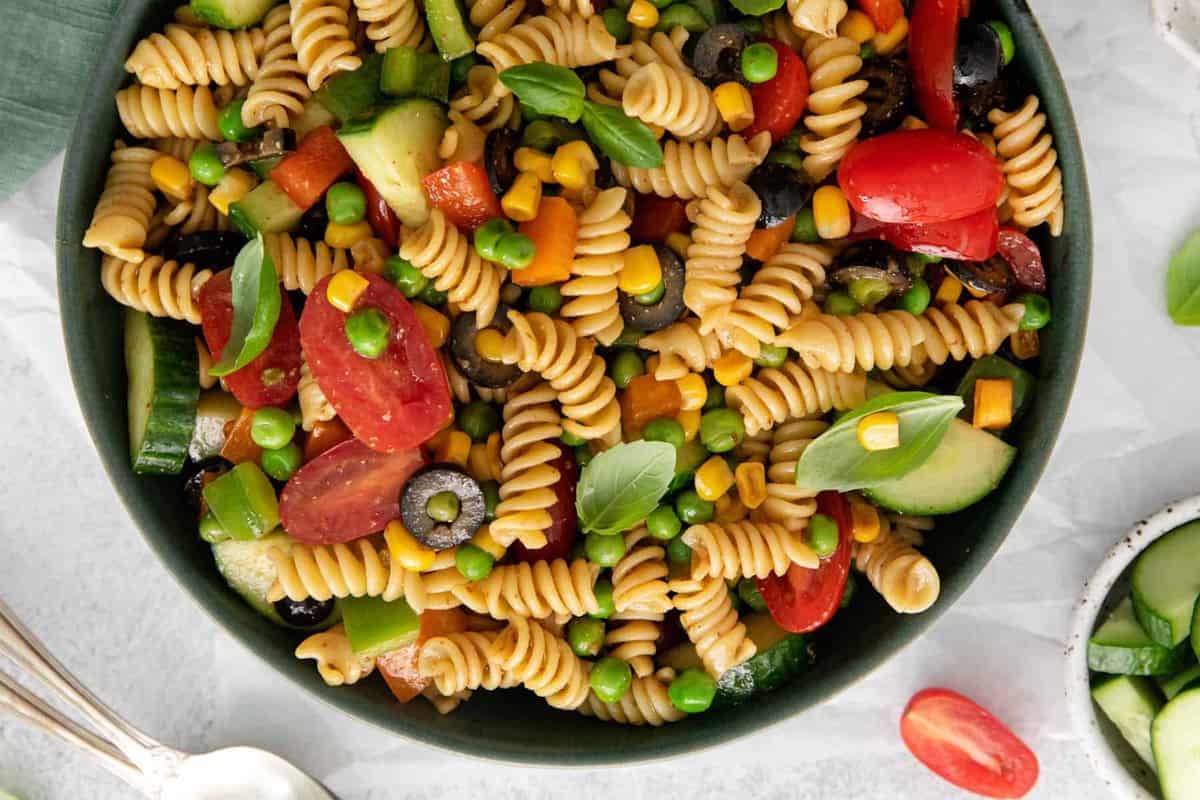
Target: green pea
345,203
491,499
368,332
752,25
653,296
840,304
805,228
663,523
693,509
772,355
848,594
867,51
715,398
760,62
282,463
571,440
625,367
721,430
681,15
822,535
211,530
546,299
515,251
404,276
459,68
916,299
432,296
583,455
488,236
678,551
611,679
206,166
748,592
272,428
616,24
586,636
603,549
1008,45
473,563
869,292
692,691
663,429
547,134
479,420
443,507
231,125
1037,312
603,590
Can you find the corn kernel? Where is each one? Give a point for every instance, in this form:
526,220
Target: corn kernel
949,291
886,43
172,177
484,540
489,344
879,431
526,159
690,422
346,236
679,243
236,184
864,521
435,323
574,165
713,479
641,272
751,480
642,14
732,368
693,390
857,26
831,213
521,201
911,123
454,449
993,403
734,103
405,550
344,289
1025,345
729,508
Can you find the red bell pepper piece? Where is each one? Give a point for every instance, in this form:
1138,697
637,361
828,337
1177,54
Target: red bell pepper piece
972,238
1024,259
779,102
463,193
318,162
932,42
380,217
655,218
884,13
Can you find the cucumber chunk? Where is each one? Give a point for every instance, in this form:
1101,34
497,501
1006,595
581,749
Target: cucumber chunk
1175,735
1180,681
448,26
966,466
409,73
1131,704
348,94
232,14
781,657
164,386
374,625
249,571
1121,647
1165,583
266,209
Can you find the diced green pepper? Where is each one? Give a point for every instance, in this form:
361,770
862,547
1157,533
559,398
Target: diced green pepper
375,626
243,502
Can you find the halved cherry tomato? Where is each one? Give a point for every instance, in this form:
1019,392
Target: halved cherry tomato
380,217
920,176
317,163
971,238
393,402
1024,259
325,435
346,493
805,599
963,743
272,377
884,13
655,218
564,525
932,44
464,194
399,667
779,102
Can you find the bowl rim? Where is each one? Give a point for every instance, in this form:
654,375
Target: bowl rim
1092,601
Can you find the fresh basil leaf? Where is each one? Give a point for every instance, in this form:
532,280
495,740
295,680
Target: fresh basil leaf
622,138
756,8
256,299
1183,283
835,459
547,89
620,487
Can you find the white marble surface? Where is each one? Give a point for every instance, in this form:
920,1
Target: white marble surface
73,567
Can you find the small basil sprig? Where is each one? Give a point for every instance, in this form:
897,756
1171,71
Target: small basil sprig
558,91
1183,283
256,299
835,459
621,486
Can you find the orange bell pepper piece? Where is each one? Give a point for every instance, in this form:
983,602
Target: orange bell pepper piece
239,447
765,242
399,667
647,399
553,232
325,435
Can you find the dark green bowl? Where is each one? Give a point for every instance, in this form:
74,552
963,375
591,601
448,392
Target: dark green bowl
516,726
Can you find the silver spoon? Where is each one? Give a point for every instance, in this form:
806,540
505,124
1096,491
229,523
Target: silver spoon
156,770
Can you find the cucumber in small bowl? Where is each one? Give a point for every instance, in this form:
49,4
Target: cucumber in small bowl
1121,647
1175,736
1165,583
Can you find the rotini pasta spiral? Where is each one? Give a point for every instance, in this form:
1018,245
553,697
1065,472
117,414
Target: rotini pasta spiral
639,578
175,147
150,113
314,406
670,98
682,348
369,255
126,207
788,504
278,93
321,36
862,341
835,109
721,226
531,429
480,101
914,376
394,23
646,703
746,550
463,140
591,294
459,662
779,25
300,263
494,17
583,8
337,662
712,624
688,169
544,589
183,56
661,47
1030,166
907,580
446,257
543,662
196,214
159,287
204,362
634,642
445,704
819,16
774,396
551,348
976,329
556,38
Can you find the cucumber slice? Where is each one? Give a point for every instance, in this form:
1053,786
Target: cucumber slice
781,656
250,572
313,116
448,26
164,386
266,209
374,625
348,94
232,14
214,410
1131,704
1121,647
1175,735
1180,681
966,466
1165,583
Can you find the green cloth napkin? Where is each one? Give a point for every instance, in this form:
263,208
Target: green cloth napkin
47,49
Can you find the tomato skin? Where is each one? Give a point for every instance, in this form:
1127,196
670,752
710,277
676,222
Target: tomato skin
805,599
393,402
921,176
564,525
399,667
347,492
884,13
972,238
464,194
932,41
283,353
655,218
380,217
318,161
1024,259
945,730
779,102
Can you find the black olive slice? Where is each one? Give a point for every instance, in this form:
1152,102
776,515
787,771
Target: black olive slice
313,223
435,479
899,281
668,309
206,249
985,277
782,190
499,150
979,56
306,613
477,369
887,96
206,472
273,143
718,54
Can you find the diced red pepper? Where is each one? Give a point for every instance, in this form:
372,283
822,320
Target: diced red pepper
655,218
463,193
317,163
239,447
765,242
972,238
380,217
932,43
884,13
554,232
646,399
779,102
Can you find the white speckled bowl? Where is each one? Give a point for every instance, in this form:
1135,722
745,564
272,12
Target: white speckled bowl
1115,762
